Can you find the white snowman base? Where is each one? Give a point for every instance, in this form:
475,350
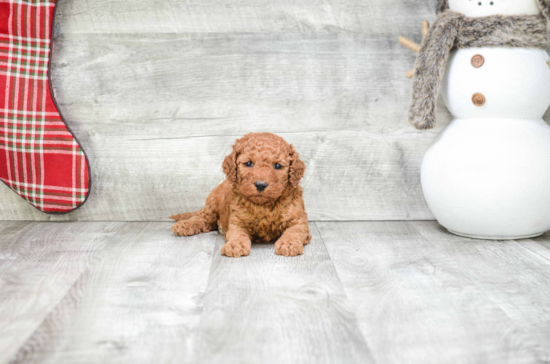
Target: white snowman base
495,238
487,174
490,178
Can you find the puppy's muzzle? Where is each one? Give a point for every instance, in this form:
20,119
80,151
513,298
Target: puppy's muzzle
260,185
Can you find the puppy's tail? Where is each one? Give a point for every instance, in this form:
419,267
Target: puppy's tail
184,216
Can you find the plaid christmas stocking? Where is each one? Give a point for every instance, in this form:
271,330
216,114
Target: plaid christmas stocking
40,159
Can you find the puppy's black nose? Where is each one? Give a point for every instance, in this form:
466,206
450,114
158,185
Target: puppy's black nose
260,185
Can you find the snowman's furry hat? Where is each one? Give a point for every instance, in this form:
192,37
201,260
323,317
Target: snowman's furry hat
442,5
545,7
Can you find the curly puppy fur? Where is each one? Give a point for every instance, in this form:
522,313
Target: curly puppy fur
244,212
455,31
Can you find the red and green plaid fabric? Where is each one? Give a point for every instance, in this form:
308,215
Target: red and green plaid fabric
39,157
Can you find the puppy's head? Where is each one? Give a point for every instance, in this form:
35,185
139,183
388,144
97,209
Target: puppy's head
263,166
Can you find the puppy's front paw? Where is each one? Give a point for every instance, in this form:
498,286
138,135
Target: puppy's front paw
288,248
184,228
236,248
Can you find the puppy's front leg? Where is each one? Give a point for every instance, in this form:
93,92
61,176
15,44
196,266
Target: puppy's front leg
238,241
292,242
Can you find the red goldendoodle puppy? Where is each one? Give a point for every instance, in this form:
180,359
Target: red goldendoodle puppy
260,199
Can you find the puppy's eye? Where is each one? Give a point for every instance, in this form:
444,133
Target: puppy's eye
277,166
249,164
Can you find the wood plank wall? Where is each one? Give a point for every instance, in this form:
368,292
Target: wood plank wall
157,91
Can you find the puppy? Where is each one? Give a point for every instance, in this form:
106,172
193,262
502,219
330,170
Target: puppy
260,199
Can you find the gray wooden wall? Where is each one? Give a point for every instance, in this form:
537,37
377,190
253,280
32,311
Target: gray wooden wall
157,91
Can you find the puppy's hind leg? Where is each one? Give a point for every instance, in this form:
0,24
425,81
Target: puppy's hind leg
192,226
184,216
202,221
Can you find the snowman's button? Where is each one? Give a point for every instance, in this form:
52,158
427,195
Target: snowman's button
478,99
478,60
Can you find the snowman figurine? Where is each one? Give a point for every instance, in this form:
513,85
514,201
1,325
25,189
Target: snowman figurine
487,174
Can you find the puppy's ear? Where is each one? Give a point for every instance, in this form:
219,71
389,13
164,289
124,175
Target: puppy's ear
230,166
297,168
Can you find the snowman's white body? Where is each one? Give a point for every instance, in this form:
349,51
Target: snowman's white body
487,174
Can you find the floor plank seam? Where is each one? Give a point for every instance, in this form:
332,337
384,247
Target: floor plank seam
14,359
344,291
202,318
535,252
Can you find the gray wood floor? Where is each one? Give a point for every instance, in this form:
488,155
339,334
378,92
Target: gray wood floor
363,292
